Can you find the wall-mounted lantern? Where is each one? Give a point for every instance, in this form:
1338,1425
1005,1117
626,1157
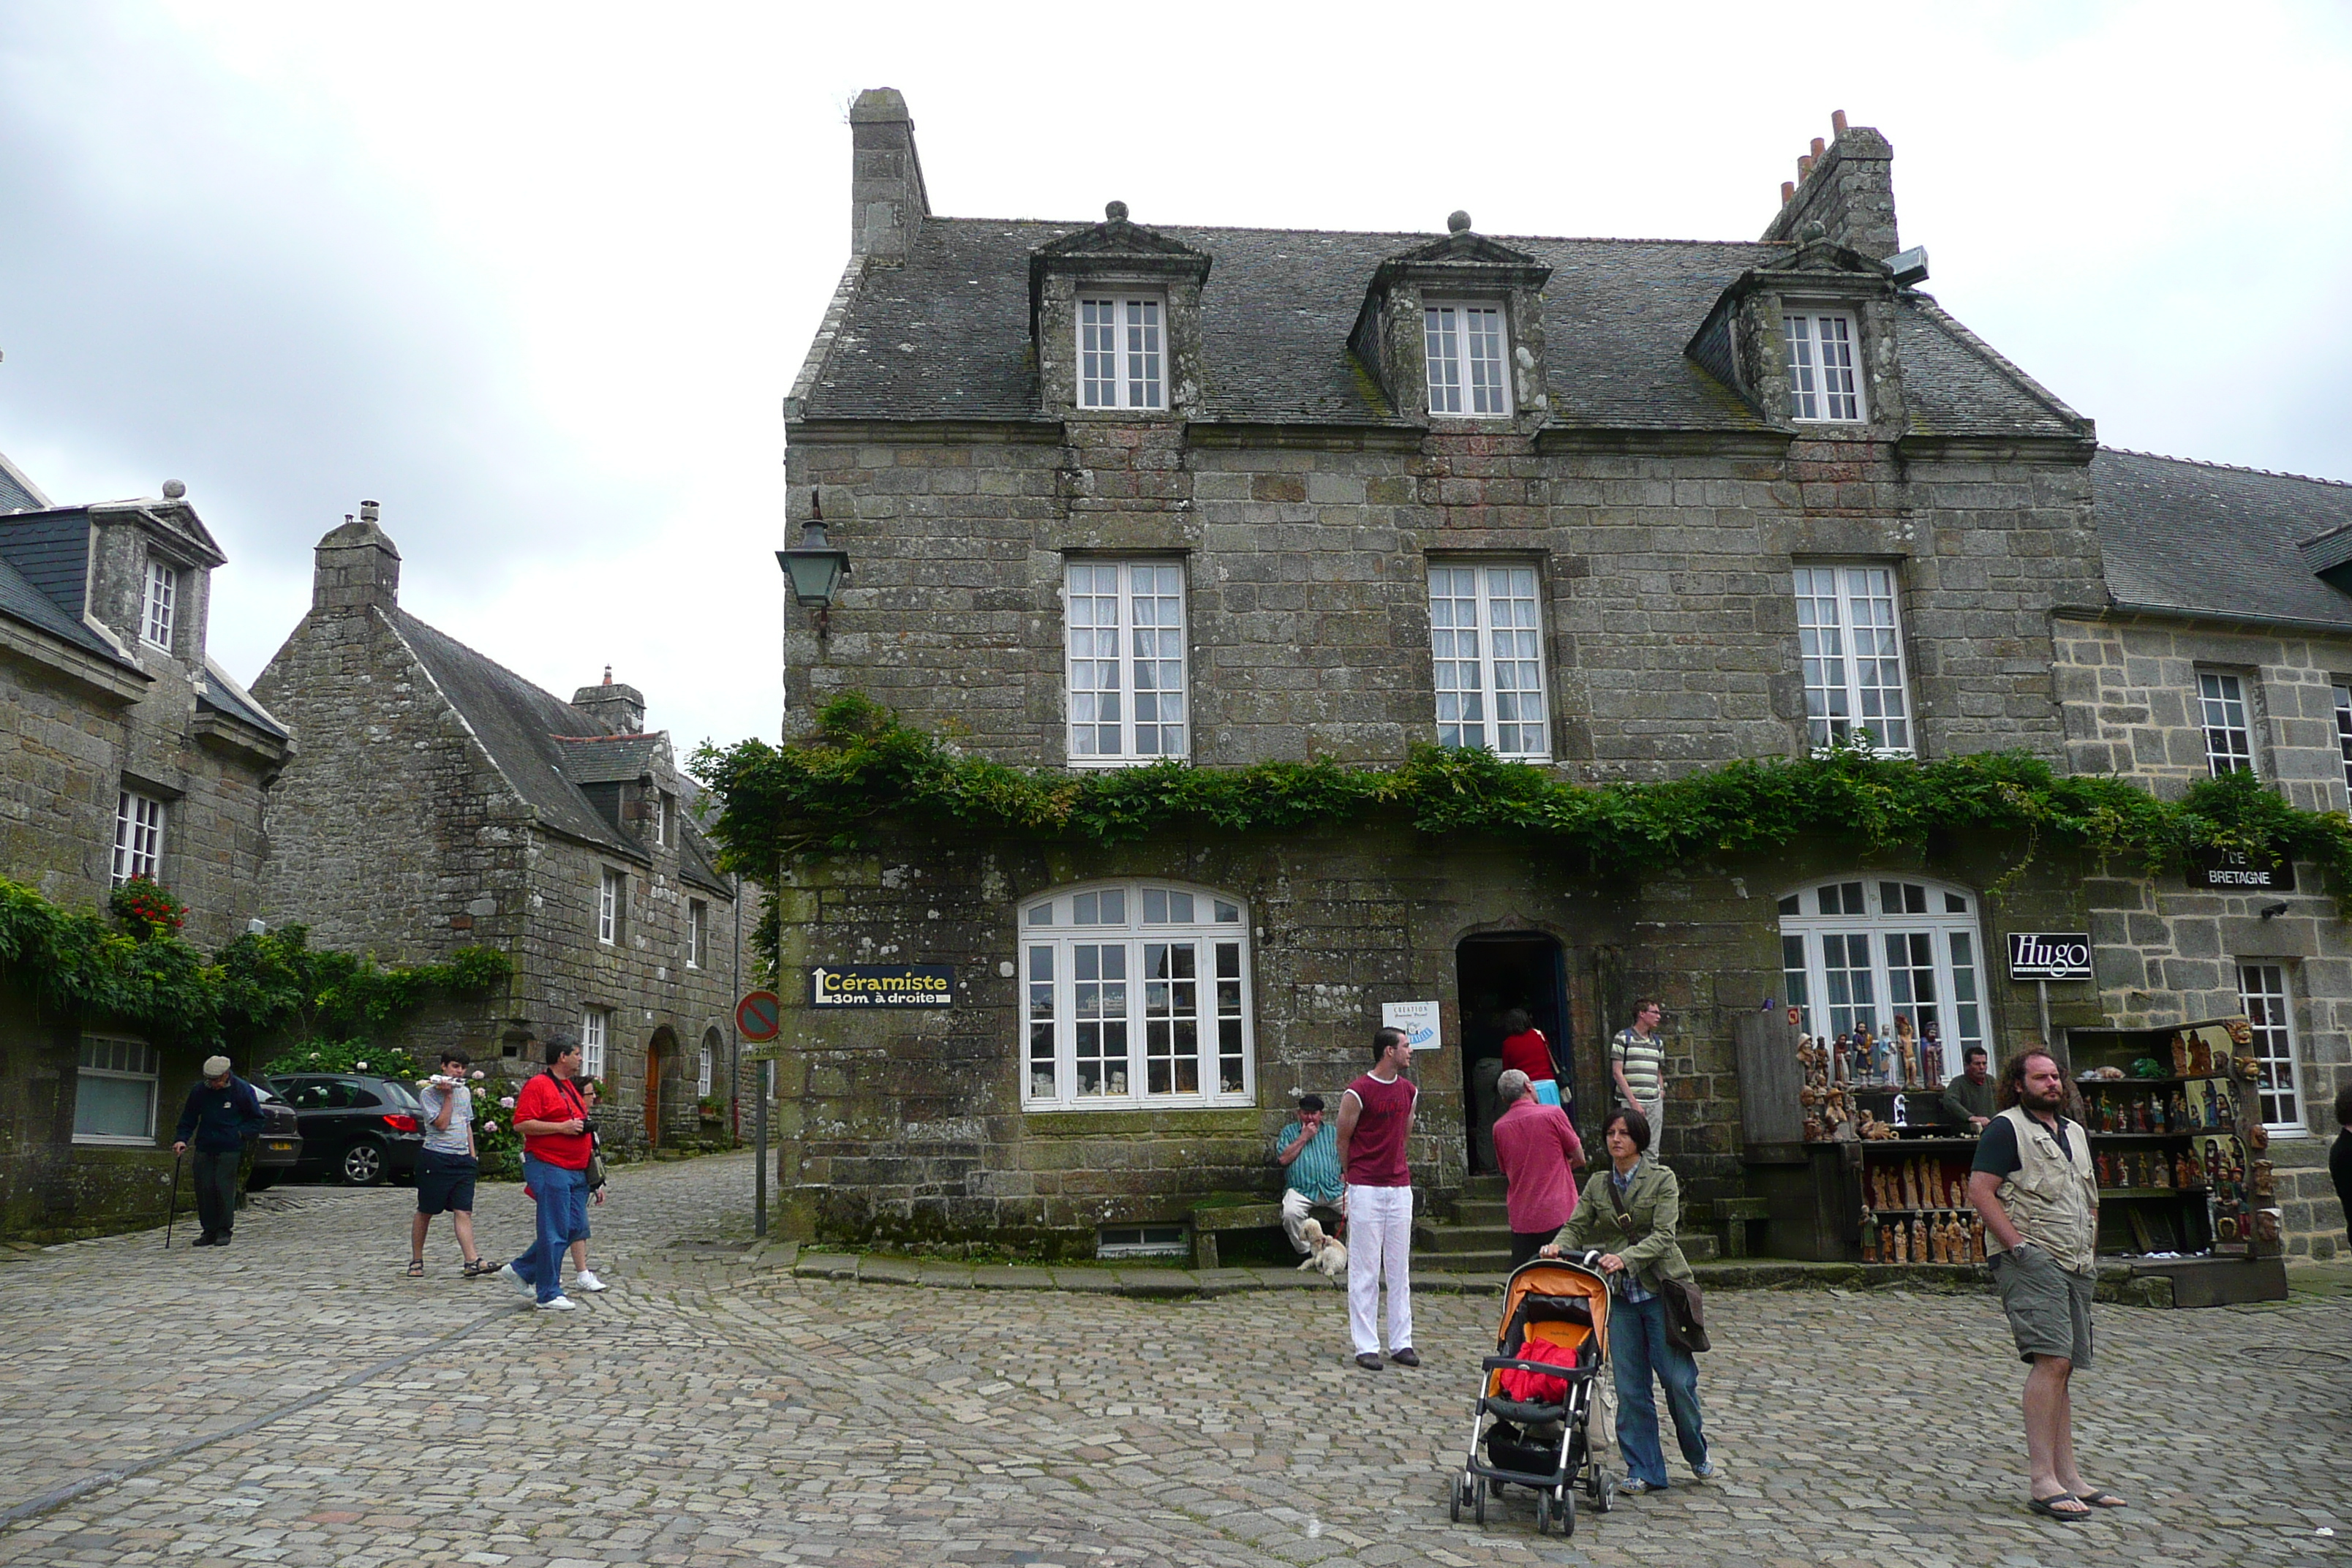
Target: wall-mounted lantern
816,568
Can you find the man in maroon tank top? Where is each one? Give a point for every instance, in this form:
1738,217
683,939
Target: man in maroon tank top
1375,1119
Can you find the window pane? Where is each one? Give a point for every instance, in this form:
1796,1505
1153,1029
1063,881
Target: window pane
1968,1015
1515,647
1098,354
1096,686
1231,1076
1440,331
2344,731
1852,992
1041,914
1099,1008
1481,343
1143,354
1839,399
1227,914
1459,670
1804,395
1821,650
1157,614
2262,993
2228,740
1793,977
110,1107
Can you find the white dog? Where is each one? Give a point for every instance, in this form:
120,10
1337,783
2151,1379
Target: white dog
1324,1252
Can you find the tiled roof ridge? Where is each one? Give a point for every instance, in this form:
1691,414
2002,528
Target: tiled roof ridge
2226,467
632,735
1398,234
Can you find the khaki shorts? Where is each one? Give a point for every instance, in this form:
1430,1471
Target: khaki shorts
2049,1308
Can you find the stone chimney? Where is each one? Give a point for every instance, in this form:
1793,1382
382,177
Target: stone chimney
1848,187
358,565
888,204
620,708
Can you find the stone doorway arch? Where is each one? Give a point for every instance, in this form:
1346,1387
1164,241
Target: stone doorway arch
661,1061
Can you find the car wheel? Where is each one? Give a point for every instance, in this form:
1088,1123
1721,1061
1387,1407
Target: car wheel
363,1164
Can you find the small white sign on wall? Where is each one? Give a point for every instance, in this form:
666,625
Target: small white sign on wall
1417,1019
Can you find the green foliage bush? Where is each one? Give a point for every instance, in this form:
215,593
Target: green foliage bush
74,964
864,772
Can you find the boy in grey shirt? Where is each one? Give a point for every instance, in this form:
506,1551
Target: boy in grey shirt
447,1166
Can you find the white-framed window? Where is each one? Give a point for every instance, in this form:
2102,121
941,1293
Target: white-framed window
2269,1006
1143,1241
2344,731
611,889
162,592
702,1075
1864,950
698,918
1485,643
1823,387
2228,733
1468,354
114,1091
1122,352
595,1024
1135,993
1850,641
664,808
1127,656
137,837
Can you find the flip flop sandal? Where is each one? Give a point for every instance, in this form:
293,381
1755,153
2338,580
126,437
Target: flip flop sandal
479,1267
2098,1499
417,1268
2048,1507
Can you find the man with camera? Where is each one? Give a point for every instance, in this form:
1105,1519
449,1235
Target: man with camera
558,1141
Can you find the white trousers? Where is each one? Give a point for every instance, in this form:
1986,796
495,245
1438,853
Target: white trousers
1295,1207
1380,1249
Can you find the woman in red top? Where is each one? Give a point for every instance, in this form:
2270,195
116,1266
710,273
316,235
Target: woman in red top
1525,1048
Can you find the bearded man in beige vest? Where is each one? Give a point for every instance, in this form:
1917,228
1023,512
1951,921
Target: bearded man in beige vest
2037,1193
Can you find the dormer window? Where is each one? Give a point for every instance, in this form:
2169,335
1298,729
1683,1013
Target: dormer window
1822,386
1467,354
1121,352
162,590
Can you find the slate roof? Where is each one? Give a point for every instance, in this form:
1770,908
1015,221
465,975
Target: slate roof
547,749
2202,538
20,600
18,492
215,689
946,334
517,724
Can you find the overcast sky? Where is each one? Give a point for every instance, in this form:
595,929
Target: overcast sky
536,276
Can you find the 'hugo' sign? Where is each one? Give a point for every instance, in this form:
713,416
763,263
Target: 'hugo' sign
2049,955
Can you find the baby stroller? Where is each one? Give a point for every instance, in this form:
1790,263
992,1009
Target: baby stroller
1536,1430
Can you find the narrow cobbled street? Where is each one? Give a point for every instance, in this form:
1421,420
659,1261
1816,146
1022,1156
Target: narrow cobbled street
294,1400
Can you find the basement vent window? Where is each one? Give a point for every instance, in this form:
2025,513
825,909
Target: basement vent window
1143,1241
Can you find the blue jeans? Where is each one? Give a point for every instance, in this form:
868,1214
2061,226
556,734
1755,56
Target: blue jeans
1637,1348
563,1214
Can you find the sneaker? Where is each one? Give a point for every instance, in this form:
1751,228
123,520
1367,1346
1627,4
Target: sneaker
560,1304
505,1271
586,1280
1635,1488
1706,1472
1405,1357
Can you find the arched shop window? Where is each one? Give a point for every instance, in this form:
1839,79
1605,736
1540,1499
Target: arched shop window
1135,993
1857,951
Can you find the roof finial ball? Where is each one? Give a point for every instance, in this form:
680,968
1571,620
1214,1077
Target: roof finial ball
1458,222
1115,212
173,490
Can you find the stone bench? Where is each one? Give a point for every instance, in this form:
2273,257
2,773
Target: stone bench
1735,1215
1239,1211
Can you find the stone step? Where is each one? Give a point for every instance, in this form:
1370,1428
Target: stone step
1489,1187
1482,1211
1430,1236
1494,1262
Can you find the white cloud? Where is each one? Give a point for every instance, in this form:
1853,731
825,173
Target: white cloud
536,275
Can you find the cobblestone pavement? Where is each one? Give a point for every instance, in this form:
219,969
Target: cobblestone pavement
294,1400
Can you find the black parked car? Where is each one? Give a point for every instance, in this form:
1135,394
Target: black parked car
355,1128
279,1148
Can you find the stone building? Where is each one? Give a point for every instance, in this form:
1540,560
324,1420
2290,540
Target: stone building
1117,491
130,753
440,800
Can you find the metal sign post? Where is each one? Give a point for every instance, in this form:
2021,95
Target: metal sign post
760,1017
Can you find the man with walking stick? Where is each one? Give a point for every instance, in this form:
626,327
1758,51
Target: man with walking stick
221,1114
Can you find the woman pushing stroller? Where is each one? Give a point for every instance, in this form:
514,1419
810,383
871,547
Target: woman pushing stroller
1631,1212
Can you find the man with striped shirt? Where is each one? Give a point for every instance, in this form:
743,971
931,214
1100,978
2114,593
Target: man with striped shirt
1309,1152
1637,1060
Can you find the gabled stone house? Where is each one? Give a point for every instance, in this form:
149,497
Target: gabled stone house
129,751
441,800
1120,491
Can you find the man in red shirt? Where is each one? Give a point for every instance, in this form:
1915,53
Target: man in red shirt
1537,1150
552,1118
1375,1119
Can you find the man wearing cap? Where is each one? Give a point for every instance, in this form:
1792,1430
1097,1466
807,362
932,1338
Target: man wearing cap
221,1114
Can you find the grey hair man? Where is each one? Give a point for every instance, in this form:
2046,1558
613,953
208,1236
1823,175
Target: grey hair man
221,1114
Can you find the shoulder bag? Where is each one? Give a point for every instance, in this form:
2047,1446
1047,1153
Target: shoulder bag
595,1171
1686,1306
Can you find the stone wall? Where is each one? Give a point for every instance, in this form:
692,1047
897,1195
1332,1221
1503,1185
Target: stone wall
1670,617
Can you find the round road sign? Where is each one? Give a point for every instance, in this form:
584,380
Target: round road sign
760,1015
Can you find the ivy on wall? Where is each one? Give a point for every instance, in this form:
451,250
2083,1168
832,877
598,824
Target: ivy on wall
134,973
863,770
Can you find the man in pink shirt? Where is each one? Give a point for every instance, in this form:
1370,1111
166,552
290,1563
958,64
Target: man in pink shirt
1538,1149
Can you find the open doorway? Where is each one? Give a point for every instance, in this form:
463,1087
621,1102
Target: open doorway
1494,974
661,1060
